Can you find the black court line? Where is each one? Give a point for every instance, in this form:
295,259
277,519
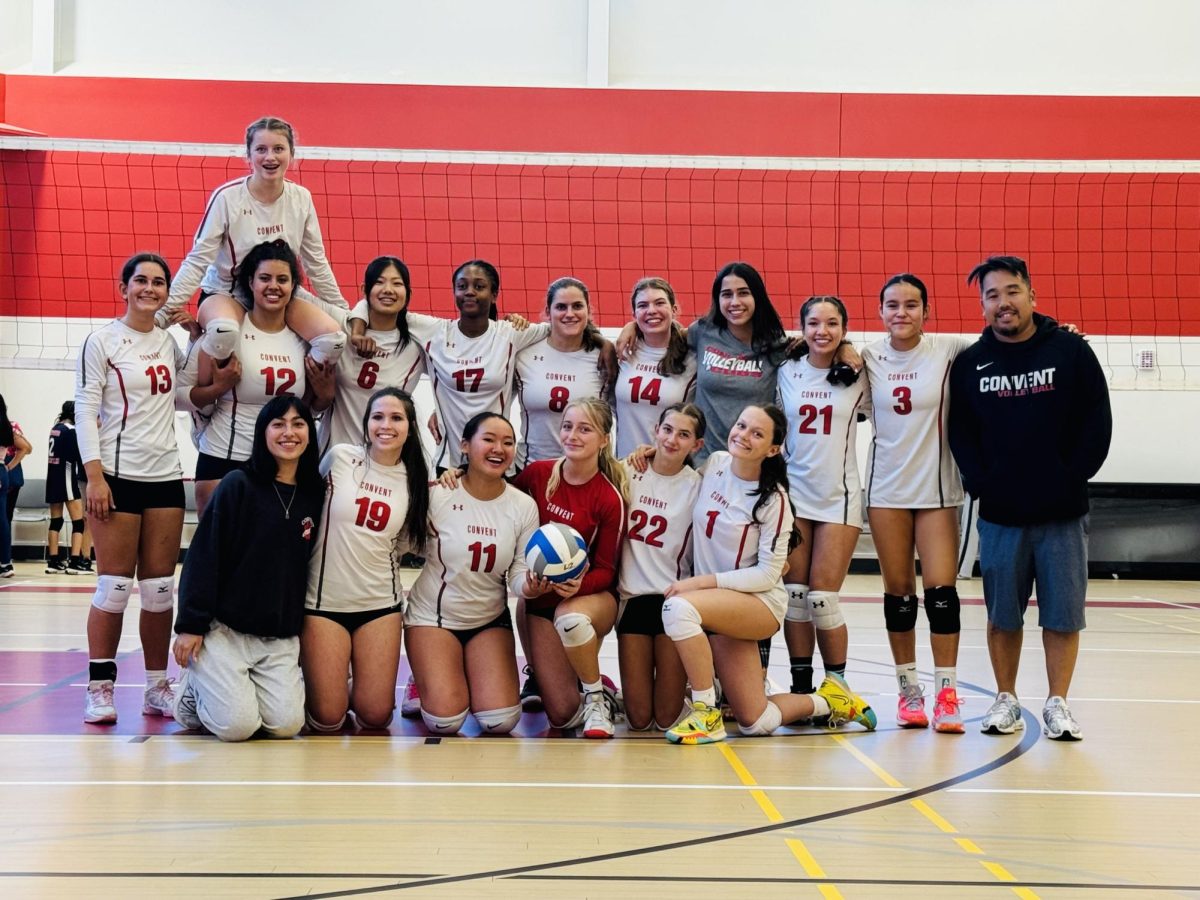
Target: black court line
1029,738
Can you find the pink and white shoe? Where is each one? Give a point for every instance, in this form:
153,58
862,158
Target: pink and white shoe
910,710
946,716
410,705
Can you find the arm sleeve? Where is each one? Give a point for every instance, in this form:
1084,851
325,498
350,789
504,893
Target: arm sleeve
773,534
200,580
89,390
517,568
312,252
1094,432
213,228
606,549
963,429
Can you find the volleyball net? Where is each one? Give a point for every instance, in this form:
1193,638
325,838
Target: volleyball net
1112,246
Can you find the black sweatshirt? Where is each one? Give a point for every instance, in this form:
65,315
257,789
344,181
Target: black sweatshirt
1030,423
247,565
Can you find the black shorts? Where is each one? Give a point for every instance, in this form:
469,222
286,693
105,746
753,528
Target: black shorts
352,621
214,468
504,620
642,615
62,485
138,496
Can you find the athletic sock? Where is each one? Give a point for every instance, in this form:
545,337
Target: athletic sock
154,677
802,674
906,674
820,706
945,678
709,697
838,669
593,688
102,670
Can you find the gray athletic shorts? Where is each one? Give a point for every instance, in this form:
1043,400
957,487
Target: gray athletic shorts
1013,557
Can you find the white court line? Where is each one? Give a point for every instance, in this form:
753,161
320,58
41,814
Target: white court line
1152,622
1170,795
1168,602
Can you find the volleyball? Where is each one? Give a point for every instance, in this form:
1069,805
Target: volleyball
556,552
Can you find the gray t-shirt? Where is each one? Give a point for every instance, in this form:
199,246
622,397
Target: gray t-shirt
730,376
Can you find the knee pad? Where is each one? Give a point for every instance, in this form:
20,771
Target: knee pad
771,719
826,609
574,629
576,720
157,594
56,523
680,619
112,593
77,526
650,725
374,726
221,338
499,721
943,609
444,724
899,612
326,348
798,609
321,727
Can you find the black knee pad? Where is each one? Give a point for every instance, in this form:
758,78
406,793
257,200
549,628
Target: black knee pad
899,613
56,524
942,609
77,526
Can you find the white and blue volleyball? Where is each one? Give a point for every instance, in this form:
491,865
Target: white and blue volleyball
556,552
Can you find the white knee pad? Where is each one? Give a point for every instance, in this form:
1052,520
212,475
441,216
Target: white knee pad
444,724
680,619
112,593
221,338
326,348
771,719
826,609
499,721
575,629
157,594
798,609
321,727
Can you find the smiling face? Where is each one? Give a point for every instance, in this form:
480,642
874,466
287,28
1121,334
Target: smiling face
272,285
903,313
581,438
676,438
752,437
146,290
568,312
387,425
736,301
389,293
287,436
1008,303
823,329
490,450
653,312
473,292
269,155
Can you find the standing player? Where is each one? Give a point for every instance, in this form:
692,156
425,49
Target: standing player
62,489
657,552
586,489
126,378
735,600
376,500
13,447
823,403
660,370
914,494
270,362
240,215
460,631
553,372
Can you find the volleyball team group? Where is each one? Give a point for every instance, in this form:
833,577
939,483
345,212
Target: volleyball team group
712,471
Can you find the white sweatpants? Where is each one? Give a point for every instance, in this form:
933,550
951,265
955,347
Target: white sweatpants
243,683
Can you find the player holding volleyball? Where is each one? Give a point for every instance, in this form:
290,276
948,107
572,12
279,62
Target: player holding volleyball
376,500
240,215
460,631
126,378
657,552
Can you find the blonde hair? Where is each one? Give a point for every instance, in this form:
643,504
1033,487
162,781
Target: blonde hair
600,415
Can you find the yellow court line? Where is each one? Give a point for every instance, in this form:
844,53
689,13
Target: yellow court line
811,867
998,871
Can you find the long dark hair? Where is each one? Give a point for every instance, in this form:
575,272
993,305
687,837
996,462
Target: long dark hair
674,361
263,467
766,331
268,250
6,430
416,470
773,473
67,413
376,268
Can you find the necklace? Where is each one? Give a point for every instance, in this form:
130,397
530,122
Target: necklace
287,507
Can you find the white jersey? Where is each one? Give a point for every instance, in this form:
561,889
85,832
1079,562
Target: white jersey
476,556
272,365
822,462
470,375
745,552
358,378
547,380
641,394
128,378
910,465
658,536
234,223
354,565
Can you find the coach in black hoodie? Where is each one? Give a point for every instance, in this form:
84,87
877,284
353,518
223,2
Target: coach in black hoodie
1030,423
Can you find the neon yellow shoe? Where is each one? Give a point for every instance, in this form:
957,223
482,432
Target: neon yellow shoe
845,705
703,726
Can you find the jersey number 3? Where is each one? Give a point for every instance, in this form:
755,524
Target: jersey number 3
160,379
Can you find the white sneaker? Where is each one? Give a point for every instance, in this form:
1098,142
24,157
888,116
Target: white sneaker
1004,716
597,715
410,704
184,712
159,700
1058,723
100,709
